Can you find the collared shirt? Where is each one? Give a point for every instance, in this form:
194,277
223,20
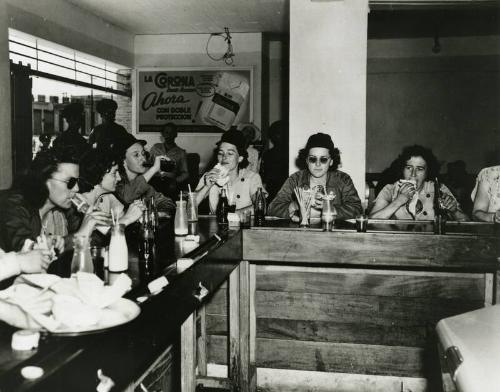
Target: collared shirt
425,195
239,192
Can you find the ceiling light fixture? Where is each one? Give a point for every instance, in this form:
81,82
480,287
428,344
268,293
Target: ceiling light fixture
227,57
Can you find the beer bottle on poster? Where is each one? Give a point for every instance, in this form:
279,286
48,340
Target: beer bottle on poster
260,208
222,208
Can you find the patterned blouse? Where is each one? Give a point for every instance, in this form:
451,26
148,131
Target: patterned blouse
491,177
420,208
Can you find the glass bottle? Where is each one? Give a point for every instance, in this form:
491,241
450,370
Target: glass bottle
328,212
260,208
180,221
439,211
153,215
82,259
118,250
222,208
147,251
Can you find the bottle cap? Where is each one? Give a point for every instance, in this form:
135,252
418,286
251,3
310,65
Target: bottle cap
25,339
32,372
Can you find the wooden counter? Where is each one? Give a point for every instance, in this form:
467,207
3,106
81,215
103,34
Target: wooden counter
359,303
280,297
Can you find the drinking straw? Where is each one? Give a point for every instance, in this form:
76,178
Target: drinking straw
113,217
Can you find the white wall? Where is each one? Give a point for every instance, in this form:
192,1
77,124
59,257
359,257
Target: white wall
328,44
188,50
63,23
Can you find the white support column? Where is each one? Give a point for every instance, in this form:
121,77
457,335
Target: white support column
328,54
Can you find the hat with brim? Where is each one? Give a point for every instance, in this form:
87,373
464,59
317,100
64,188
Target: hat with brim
123,143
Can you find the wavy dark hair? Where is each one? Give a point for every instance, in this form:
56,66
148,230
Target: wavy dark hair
326,142
419,151
237,139
32,185
94,164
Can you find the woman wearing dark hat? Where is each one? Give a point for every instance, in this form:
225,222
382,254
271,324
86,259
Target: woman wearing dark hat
322,159
135,176
230,173
71,137
106,133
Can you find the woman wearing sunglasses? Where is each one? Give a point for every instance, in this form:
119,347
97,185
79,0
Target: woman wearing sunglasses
230,173
321,175
99,172
40,204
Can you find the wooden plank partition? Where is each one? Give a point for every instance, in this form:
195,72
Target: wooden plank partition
356,303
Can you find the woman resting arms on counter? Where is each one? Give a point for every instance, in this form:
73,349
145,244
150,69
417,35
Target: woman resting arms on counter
412,197
230,173
486,195
322,160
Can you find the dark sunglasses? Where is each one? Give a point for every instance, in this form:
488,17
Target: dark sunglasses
313,159
69,183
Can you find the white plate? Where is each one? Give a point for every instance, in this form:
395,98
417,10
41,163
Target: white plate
119,313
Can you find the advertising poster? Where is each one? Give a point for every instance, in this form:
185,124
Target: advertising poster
195,100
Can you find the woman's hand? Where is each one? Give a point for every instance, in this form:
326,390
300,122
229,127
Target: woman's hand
34,261
211,177
157,163
406,192
133,213
91,220
317,202
448,202
57,242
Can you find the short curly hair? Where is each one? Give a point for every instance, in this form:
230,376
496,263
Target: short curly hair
319,140
94,165
419,151
32,184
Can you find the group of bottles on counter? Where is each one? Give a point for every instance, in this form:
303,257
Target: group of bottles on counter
223,208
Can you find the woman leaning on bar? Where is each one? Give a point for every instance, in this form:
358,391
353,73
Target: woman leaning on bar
135,176
41,204
486,195
412,197
99,174
240,182
322,159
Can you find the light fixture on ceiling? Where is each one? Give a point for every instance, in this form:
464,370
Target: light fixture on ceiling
227,57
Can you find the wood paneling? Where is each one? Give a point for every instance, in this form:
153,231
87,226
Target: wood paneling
324,331
329,357
466,253
348,320
365,282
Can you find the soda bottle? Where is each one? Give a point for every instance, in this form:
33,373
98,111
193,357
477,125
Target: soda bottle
222,208
440,215
260,208
147,251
